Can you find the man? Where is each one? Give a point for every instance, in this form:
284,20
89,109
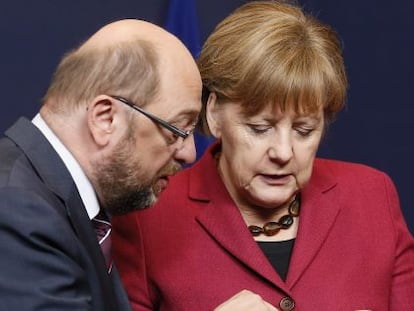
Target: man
115,123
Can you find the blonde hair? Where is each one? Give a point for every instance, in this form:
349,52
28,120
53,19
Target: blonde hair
272,53
126,69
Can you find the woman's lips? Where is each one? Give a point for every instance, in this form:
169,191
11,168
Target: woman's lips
276,179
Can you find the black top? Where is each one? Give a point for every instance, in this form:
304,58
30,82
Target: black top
278,254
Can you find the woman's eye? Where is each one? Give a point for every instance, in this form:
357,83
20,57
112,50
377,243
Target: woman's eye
302,131
259,128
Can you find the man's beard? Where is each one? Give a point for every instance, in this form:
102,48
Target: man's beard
122,182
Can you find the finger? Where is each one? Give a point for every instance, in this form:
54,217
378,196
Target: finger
270,307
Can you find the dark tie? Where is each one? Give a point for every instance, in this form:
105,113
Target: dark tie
103,229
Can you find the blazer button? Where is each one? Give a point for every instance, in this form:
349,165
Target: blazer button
287,304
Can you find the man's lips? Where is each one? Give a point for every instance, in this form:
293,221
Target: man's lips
163,182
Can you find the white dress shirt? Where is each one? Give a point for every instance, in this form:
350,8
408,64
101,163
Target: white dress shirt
84,186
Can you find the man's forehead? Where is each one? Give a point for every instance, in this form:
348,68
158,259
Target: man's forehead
178,112
179,99
127,30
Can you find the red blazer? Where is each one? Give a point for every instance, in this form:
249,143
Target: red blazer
192,251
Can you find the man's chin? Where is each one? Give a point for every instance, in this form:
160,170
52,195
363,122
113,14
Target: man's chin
139,201
151,200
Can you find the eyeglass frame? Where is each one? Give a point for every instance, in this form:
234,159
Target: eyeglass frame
175,130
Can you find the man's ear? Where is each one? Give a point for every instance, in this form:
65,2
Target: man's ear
101,119
213,115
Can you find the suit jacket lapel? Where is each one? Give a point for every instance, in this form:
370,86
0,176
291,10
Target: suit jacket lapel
81,223
123,301
46,162
55,175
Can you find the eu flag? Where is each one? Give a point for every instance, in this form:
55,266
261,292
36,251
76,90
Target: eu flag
182,21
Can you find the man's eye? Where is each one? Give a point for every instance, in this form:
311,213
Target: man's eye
192,128
171,138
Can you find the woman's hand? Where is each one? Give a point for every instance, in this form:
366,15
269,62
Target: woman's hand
245,301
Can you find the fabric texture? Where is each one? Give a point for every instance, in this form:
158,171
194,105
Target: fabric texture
51,259
102,227
193,251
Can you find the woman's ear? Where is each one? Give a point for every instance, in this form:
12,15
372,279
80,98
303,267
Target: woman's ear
101,119
213,115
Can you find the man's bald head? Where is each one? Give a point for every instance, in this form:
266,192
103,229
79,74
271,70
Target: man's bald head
123,57
132,29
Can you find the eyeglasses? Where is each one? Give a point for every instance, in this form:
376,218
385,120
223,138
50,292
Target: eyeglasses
175,130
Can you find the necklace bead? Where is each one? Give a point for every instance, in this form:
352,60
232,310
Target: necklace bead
273,227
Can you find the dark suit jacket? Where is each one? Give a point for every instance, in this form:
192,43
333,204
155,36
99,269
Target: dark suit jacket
49,255
192,251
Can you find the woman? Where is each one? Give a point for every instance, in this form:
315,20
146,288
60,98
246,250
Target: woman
258,212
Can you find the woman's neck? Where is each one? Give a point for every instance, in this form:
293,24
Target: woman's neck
260,216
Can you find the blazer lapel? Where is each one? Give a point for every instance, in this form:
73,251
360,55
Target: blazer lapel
222,220
317,216
228,229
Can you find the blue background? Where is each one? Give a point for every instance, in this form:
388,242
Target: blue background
375,128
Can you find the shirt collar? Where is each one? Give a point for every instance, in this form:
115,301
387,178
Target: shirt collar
84,186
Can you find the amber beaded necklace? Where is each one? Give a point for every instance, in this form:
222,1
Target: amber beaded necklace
273,227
